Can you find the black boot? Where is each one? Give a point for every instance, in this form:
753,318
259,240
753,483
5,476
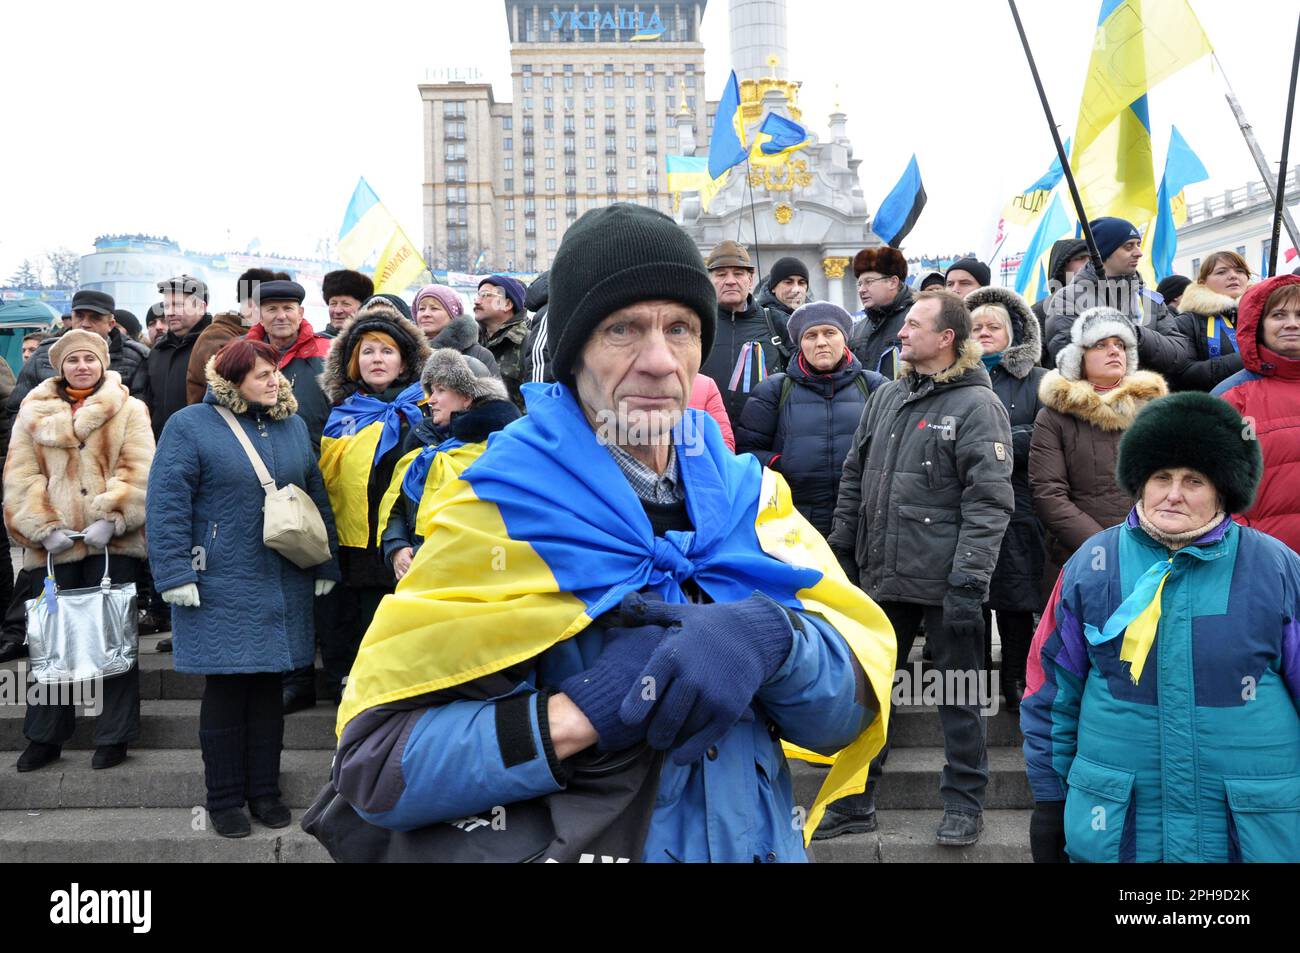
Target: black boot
38,755
262,772
230,822
835,822
12,650
108,756
223,772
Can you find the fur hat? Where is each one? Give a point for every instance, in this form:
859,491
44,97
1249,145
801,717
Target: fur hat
1096,324
882,258
77,340
466,375
343,282
1198,431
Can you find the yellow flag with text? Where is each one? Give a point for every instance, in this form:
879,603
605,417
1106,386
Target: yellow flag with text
399,264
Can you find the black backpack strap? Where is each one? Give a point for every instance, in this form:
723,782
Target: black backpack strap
780,338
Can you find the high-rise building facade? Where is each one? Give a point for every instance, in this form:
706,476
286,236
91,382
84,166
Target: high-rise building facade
597,88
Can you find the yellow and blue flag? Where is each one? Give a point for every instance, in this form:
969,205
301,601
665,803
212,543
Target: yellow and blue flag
1182,168
529,546
691,174
421,474
1139,43
359,431
1024,208
365,224
727,146
1031,279
399,264
901,208
777,138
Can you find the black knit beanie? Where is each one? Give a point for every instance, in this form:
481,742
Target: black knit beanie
613,257
788,268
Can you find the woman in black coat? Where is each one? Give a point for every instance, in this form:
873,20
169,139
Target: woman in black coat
1005,327
801,423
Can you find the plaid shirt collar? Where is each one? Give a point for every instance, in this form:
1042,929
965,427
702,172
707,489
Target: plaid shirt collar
648,485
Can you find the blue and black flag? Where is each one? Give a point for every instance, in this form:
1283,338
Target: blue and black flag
901,208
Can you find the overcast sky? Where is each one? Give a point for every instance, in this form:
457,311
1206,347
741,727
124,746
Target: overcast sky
219,123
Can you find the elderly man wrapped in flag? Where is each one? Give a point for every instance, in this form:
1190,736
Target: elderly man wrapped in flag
604,584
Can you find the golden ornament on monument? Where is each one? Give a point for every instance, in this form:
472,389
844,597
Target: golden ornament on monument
783,213
834,267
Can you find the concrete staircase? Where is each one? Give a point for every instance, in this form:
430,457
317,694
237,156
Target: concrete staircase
150,808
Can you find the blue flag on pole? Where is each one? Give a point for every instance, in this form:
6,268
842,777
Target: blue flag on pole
901,208
1182,168
1031,279
727,145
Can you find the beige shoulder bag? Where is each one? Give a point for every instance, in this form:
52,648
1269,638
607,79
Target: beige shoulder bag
291,524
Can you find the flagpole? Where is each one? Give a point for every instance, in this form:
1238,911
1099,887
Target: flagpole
1280,206
753,217
1093,253
1256,153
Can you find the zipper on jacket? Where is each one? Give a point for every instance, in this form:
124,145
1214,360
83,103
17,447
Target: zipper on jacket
261,427
214,532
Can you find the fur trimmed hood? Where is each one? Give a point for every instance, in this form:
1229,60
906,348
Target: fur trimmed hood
334,380
460,333
1112,410
46,413
1198,299
1026,348
223,392
968,360
448,368
484,418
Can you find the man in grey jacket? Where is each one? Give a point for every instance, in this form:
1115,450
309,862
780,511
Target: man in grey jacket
924,502
1162,347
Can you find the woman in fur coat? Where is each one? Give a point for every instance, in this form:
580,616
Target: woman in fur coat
1207,316
1088,402
79,462
441,316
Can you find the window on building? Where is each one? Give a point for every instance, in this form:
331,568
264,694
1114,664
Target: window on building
528,104
588,82
649,81
568,77
528,164
530,206
669,85
569,124
528,124
510,244
591,142
609,103
590,122
526,82
529,185
568,104
591,162
547,82
629,121
609,80
629,81
551,244
649,104
651,144
510,205
611,144
629,103
631,183
453,129
591,183
510,224
1196,265
690,103
507,123
631,143
548,103
631,162
508,143
1241,250
570,207
454,151
550,183
550,224
589,103
508,183
508,163
548,124
672,143
453,109
550,162
611,183
670,105
550,204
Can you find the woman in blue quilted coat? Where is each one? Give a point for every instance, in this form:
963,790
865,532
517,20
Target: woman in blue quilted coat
241,612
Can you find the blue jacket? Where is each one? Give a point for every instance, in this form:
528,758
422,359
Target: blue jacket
1200,760
807,436
205,526
412,767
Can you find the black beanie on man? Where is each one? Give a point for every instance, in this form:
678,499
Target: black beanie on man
788,268
613,257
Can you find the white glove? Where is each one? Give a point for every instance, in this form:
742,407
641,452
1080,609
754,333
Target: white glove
324,587
186,595
56,542
98,533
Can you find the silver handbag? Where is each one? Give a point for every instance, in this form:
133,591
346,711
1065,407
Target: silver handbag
75,635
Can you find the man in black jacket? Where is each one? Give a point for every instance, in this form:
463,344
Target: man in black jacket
752,342
923,506
786,286
882,289
160,382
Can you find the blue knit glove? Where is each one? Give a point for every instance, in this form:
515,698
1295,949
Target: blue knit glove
599,690
706,670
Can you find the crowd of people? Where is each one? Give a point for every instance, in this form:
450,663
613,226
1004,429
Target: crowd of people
952,462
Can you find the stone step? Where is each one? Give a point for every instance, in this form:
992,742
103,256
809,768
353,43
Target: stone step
178,835
907,837
159,680
148,778
174,723
144,835
911,780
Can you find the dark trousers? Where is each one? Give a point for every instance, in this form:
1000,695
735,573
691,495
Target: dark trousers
241,732
966,772
119,720
1016,630
341,618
